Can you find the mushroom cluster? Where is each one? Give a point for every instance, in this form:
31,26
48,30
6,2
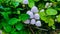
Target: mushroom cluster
34,17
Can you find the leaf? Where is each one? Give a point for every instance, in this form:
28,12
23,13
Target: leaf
19,26
24,17
13,30
57,9
6,1
42,14
51,11
5,15
6,9
52,0
53,27
19,9
44,18
13,21
41,5
58,0
50,22
14,33
58,18
1,0
7,28
36,0
31,3
19,1
18,12
15,4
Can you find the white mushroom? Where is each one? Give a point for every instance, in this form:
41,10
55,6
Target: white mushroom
38,23
30,14
47,5
33,21
34,9
36,16
25,1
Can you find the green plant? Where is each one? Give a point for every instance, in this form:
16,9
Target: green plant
13,14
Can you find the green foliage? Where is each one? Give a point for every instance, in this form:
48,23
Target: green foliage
58,0
50,22
36,0
24,17
41,5
13,15
58,18
13,21
19,1
43,16
7,28
51,11
31,3
14,4
5,15
52,0
53,27
19,26
14,33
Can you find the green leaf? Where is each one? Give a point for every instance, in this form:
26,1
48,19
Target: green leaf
15,4
58,0
58,18
57,9
6,9
31,3
19,9
14,33
7,28
24,17
41,5
18,12
5,15
36,0
53,27
13,21
19,26
50,22
51,11
44,18
13,30
1,0
19,1
52,0
6,1
42,14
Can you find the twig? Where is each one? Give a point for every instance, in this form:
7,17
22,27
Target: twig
31,29
42,29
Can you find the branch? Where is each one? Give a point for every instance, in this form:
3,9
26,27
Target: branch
31,30
42,29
